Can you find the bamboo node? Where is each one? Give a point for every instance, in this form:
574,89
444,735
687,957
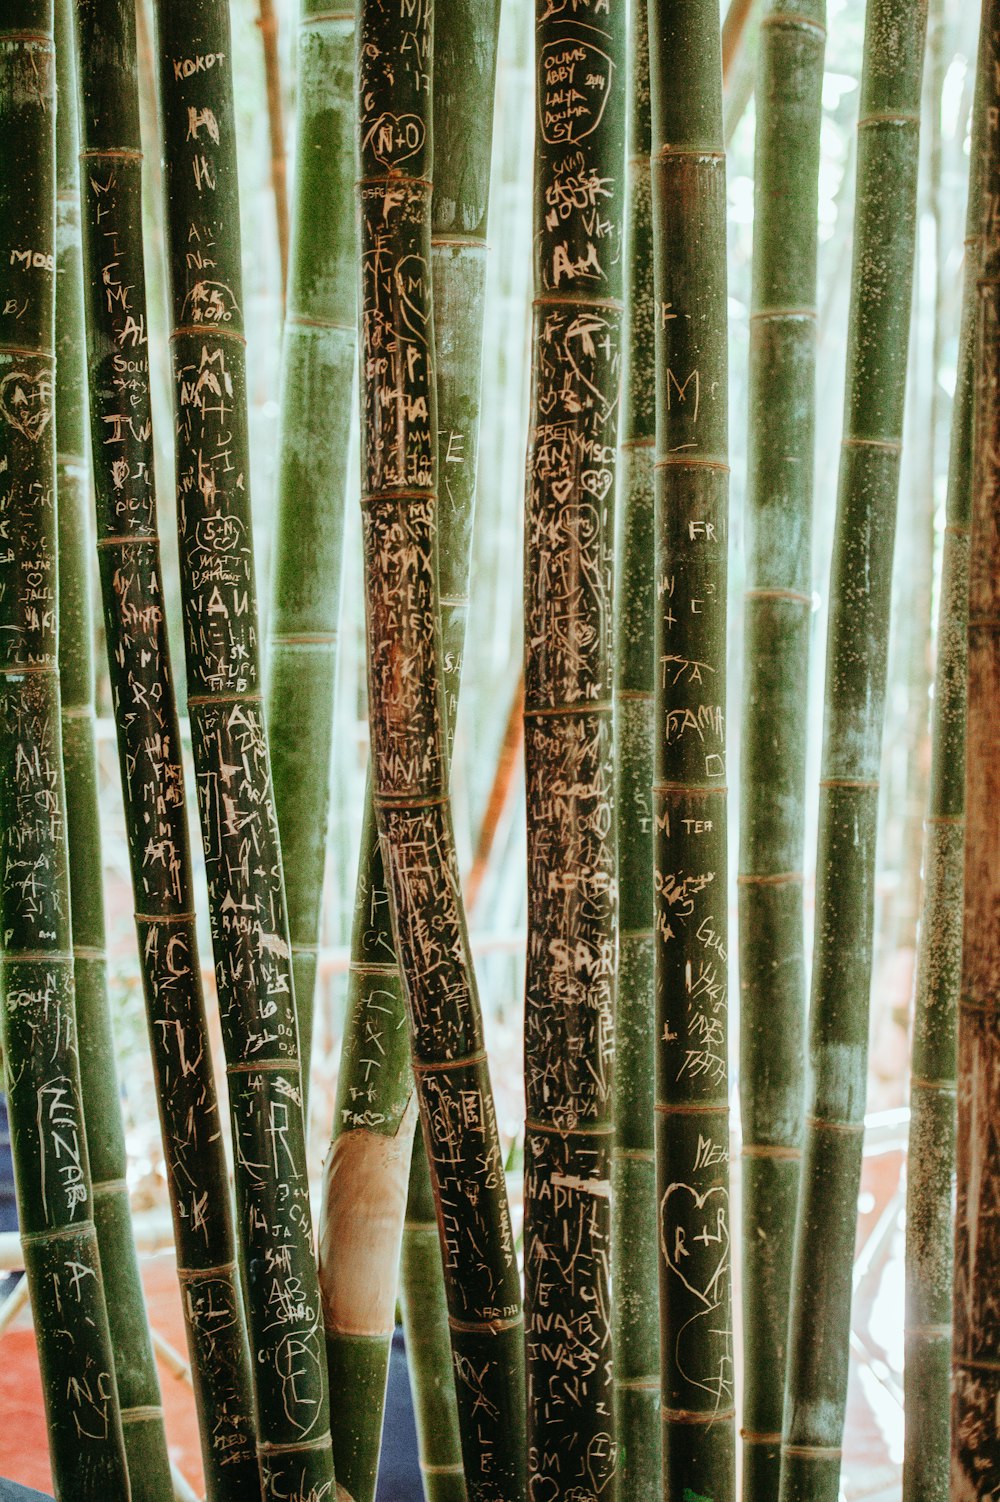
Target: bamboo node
147,1413
692,1416
208,331
270,1447
264,1066
848,1128
793,21
793,595
749,1437
489,1326
114,153
778,879
192,1274
813,1452
891,445
771,1150
468,1061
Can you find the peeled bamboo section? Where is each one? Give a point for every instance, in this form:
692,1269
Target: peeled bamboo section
38,1018
689,787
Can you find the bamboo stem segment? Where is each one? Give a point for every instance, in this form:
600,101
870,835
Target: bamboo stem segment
135,1364
976,1349
857,645
634,1241
56,1204
409,745
775,706
232,763
689,788
149,746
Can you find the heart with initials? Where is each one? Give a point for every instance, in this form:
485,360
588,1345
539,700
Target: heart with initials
694,1239
26,402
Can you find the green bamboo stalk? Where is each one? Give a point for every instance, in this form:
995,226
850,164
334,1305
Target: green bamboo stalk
634,1252
857,645
37,1021
931,1155
782,383
689,786
320,336
975,1446
149,746
135,1364
229,739
580,192
409,744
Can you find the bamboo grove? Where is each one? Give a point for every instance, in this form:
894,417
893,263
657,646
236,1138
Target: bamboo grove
540,1030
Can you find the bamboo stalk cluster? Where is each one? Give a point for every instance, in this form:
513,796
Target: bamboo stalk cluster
618,1378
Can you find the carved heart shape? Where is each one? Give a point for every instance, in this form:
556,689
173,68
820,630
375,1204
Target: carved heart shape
694,1238
602,1461
543,1488
26,402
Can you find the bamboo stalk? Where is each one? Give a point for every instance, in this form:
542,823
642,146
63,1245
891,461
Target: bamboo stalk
857,644
135,1364
634,1253
931,1153
149,746
318,352
782,383
409,743
229,740
38,1024
975,1448
268,23
499,795
580,193
689,791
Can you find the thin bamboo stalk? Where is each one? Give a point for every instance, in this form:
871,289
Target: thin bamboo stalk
268,23
782,382
689,787
634,1250
409,742
229,739
931,1153
975,1448
580,192
37,1022
149,746
499,794
857,645
135,1364
318,351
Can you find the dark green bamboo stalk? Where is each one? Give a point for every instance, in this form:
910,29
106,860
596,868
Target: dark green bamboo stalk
634,1252
857,644
689,786
229,739
782,384
580,192
149,746
135,1364
931,1156
975,1447
409,744
38,1022
320,335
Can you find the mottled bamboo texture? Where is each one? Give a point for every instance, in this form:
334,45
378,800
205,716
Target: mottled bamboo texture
580,193
931,1156
778,607
56,1207
689,788
634,1254
976,1349
135,1364
317,380
409,744
857,642
232,765
149,745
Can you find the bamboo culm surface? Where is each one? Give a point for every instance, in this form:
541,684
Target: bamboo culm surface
368,1204
232,765
409,759
42,1075
857,645
689,787
580,192
778,610
931,1155
317,380
975,1449
135,1364
149,744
